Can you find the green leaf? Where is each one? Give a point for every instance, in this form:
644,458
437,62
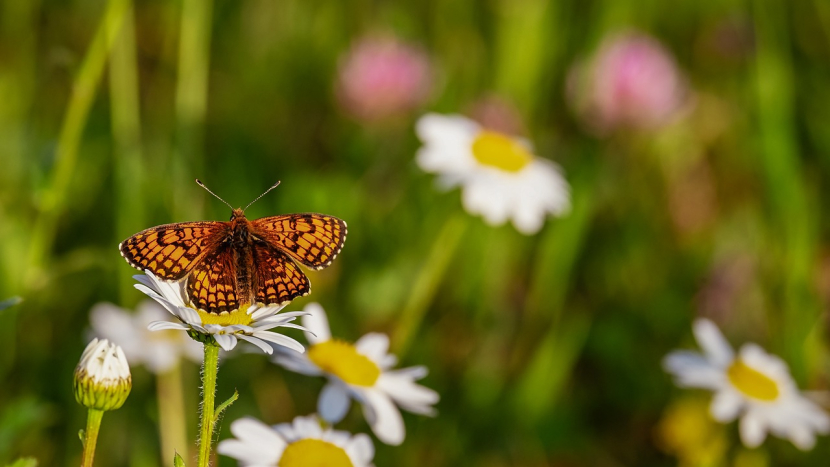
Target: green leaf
10,302
225,405
178,461
24,462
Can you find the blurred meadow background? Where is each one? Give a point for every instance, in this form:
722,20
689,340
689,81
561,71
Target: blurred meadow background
545,348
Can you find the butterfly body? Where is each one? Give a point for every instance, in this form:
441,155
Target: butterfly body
225,265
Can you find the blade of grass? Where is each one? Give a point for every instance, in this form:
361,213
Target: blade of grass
794,223
427,282
83,94
126,130
191,102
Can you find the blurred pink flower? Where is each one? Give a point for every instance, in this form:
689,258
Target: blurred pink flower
632,82
381,77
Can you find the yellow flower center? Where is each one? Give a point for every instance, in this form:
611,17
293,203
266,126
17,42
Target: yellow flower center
314,453
751,382
238,316
499,151
343,360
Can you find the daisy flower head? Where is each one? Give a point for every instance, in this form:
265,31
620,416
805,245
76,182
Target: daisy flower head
499,175
752,384
360,371
248,323
303,443
160,351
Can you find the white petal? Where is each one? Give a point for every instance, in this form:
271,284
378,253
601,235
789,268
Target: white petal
317,323
384,418
373,345
361,449
726,405
408,394
691,369
279,339
333,403
307,427
257,342
480,197
528,218
713,343
297,362
162,325
802,437
188,315
226,341
257,443
753,431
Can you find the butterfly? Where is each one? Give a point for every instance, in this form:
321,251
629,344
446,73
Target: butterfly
225,265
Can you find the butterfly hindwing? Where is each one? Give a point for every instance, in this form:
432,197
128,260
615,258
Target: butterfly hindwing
312,239
277,279
211,284
170,251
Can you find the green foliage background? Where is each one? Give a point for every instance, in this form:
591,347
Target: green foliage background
546,349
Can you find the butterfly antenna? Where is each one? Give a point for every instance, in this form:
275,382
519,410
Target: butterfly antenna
214,194
260,196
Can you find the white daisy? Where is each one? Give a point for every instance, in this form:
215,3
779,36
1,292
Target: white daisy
360,371
158,351
303,443
249,323
500,176
752,385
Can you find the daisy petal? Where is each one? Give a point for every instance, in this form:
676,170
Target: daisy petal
373,345
333,403
753,431
713,343
162,325
227,342
317,323
257,342
384,418
279,339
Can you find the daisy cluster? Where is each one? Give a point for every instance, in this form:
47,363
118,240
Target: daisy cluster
362,371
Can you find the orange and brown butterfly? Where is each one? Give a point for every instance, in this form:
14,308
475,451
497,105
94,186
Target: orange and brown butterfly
225,265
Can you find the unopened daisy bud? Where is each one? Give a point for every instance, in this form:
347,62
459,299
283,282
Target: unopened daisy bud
102,377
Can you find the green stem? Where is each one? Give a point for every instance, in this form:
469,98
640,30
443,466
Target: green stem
209,370
428,280
93,423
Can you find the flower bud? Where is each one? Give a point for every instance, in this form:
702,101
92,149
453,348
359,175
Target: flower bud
102,377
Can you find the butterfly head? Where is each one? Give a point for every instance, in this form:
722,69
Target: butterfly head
237,213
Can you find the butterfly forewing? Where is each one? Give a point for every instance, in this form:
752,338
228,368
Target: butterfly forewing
312,239
170,251
277,278
212,285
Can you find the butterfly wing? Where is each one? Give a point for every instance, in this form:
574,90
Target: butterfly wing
312,239
277,279
211,284
170,251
